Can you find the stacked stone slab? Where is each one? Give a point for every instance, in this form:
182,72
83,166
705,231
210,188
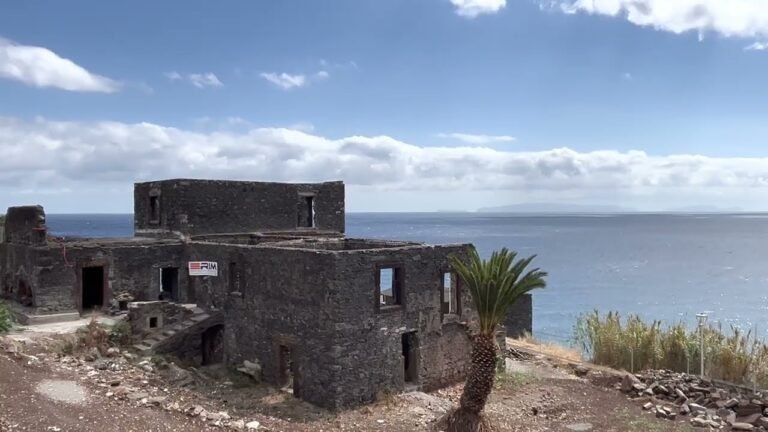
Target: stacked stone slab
706,402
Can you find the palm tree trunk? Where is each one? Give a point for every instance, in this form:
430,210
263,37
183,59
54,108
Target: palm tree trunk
481,374
468,417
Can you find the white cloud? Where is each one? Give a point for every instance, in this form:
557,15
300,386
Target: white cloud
627,76
199,80
82,157
473,8
284,80
173,76
477,139
732,18
41,67
205,80
321,75
757,46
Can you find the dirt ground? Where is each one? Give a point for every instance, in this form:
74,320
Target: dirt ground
68,394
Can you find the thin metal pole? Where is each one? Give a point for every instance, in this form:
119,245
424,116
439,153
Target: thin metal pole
701,337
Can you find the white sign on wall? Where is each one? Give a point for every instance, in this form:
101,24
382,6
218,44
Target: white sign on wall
203,268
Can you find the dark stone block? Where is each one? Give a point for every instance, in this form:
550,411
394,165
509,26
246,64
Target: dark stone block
520,317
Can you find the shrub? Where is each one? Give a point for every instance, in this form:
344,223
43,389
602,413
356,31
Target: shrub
6,320
91,336
633,344
120,334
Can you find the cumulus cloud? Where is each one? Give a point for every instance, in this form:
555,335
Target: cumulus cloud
477,139
75,155
732,18
473,8
284,80
757,46
40,67
199,80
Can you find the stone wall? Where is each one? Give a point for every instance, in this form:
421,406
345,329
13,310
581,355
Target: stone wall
25,225
273,297
213,206
19,273
520,317
53,272
445,357
166,314
368,345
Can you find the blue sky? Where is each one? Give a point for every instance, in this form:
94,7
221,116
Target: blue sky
417,104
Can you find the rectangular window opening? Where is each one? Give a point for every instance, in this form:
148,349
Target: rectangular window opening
307,211
154,209
450,294
234,277
153,322
390,286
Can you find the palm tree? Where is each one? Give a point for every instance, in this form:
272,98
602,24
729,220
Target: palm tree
494,284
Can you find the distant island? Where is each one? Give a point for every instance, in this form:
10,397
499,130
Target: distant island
558,208
555,208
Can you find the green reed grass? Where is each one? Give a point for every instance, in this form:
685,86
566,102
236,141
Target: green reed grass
631,343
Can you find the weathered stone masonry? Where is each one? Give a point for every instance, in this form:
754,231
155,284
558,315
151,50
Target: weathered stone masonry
340,319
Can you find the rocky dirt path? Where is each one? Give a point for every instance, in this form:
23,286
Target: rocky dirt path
120,392
39,399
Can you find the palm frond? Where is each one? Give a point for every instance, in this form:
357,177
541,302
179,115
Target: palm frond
496,283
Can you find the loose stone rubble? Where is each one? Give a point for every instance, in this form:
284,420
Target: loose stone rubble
126,378
709,405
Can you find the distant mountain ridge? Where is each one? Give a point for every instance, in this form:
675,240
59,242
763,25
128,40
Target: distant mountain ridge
555,208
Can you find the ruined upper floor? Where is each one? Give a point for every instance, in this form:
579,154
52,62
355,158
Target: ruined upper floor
196,207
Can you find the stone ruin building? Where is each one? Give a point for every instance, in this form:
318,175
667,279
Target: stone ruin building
258,273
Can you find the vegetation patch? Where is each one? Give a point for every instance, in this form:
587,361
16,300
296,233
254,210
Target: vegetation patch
121,334
6,319
633,344
513,380
93,335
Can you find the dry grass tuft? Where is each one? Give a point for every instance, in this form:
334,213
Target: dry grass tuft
548,349
91,336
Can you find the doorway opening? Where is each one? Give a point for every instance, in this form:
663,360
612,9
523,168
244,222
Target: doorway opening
92,287
307,211
410,357
212,345
288,374
169,284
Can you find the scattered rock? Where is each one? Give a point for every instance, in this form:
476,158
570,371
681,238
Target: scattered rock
691,395
742,427
581,371
579,427
194,411
155,400
92,355
252,369
252,425
137,396
628,382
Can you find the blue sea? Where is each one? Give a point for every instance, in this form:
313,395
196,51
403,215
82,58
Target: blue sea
661,266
